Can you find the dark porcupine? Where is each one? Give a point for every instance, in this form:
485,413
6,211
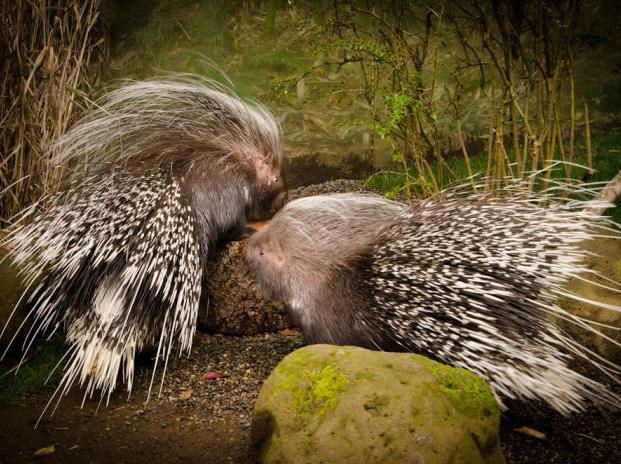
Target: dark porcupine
466,279
171,167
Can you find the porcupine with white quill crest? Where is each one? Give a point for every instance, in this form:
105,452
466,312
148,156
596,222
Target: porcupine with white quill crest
173,165
465,278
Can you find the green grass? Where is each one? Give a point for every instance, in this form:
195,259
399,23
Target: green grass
32,374
606,164
276,61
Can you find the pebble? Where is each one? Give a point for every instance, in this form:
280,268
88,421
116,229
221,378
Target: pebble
246,360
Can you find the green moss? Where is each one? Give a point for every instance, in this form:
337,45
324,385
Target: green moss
314,386
365,375
322,392
300,358
32,374
468,392
387,438
376,404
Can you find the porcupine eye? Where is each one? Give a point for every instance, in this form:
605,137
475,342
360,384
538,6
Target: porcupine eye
273,181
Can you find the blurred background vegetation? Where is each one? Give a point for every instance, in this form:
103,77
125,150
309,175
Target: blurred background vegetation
410,95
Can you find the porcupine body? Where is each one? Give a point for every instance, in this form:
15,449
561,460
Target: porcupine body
466,279
163,170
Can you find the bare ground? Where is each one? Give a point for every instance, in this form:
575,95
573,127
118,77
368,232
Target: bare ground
194,420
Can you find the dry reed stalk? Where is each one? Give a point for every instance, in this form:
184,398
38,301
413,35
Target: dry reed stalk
490,155
572,120
587,136
462,144
51,50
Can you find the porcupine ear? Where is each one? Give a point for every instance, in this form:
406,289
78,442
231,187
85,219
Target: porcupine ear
274,253
266,166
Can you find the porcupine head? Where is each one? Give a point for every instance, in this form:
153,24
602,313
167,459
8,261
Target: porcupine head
249,173
309,257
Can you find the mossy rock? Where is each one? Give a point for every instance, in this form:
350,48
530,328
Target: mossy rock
329,404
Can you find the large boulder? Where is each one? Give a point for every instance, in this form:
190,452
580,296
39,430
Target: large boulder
329,404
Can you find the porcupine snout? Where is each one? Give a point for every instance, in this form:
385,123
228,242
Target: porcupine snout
271,195
266,258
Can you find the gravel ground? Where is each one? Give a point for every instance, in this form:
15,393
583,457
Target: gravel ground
202,416
224,374
204,413
332,186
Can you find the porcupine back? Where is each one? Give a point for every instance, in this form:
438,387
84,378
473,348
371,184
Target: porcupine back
467,279
162,170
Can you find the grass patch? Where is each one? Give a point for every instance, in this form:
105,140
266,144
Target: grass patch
275,61
32,374
606,164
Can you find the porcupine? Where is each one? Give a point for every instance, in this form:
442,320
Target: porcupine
172,166
467,279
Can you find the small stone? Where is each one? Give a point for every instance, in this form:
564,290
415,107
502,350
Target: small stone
213,375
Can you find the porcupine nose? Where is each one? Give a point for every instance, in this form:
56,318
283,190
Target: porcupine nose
278,202
251,253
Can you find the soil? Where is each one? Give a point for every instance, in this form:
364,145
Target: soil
592,436
195,419
204,420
